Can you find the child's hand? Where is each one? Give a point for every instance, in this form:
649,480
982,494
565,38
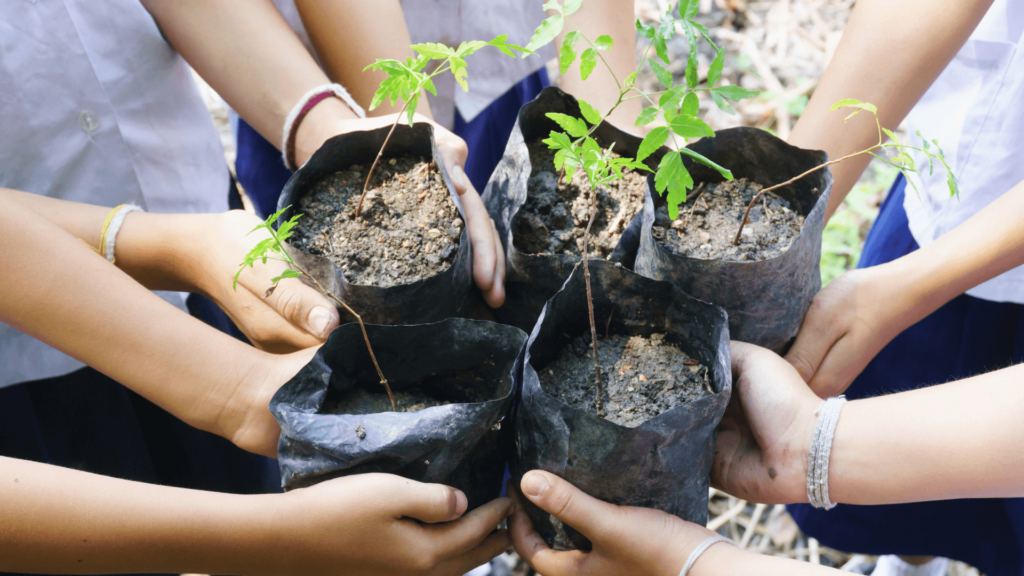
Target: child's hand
382,524
761,452
627,540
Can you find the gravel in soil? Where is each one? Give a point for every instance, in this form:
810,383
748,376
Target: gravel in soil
554,216
643,377
440,389
409,228
707,224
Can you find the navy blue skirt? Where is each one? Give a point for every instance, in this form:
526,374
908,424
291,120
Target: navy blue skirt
966,337
263,175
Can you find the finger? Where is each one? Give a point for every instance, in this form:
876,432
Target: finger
838,370
481,234
532,548
304,307
588,515
491,547
263,326
496,296
430,503
816,337
468,532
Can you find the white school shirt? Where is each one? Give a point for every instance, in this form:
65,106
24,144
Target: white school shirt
491,73
975,109
96,107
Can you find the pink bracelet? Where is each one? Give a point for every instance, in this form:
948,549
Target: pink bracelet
304,105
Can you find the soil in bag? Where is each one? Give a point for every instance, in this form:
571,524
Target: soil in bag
453,382
667,380
406,259
710,218
767,282
409,227
556,211
641,377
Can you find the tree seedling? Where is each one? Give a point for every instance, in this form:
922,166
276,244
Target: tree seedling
407,80
902,161
273,249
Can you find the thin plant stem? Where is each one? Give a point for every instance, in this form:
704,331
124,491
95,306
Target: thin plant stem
380,153
590,302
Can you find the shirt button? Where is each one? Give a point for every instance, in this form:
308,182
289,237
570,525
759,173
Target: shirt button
88,121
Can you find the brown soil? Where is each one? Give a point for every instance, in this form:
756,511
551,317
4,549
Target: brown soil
643,377
408,230
709,220
440,389
554,217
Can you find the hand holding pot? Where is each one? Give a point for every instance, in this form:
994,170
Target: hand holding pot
384,524
627,540
761,453
848,323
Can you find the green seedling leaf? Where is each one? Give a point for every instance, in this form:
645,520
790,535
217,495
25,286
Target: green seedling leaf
588,61
558,141
644,30
500,42
715,72
552,5
428,84
604,42
727,174
574,126
924,141
734,93
892,136
688,8
458,68
433,50
704,32
567,55
672,98
569,7
410,110
652,142
856,104
691,62
661,48
589,112
630,80
690,126
673,177
647,116
664,76
546,32
288,273
721,103
691,105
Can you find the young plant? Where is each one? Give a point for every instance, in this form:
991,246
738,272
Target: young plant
407,80
677,104
902,161
273,249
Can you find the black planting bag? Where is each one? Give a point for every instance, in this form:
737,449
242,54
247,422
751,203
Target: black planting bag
458,444
767,300
446,295
665,462
533,278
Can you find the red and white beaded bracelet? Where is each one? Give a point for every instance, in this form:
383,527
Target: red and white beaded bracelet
304,105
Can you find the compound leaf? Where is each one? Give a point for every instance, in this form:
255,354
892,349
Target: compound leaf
588,61
652,142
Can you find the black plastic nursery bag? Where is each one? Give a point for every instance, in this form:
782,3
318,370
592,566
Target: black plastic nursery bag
766,300
471,363
446,295
665,462
533,278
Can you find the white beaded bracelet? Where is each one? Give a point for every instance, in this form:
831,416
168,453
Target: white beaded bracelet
700,550
302,107
821,451
110,233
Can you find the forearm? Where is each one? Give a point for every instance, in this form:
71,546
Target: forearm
249,55
66,295
601,88
889,66
723,559
986,245
349,35
62,521
956,440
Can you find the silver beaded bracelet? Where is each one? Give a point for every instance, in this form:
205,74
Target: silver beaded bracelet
700,550
821,451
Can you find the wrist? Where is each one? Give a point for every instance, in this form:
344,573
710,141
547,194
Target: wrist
324,121
797,451
159,250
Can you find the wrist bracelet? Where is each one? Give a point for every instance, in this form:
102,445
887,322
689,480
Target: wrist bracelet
700,550
111,226
304,105
821,451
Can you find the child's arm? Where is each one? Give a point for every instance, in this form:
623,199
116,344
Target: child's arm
956,440
856,315
627,540
62,521
890,53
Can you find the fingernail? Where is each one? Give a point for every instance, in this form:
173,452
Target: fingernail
461,503
319,319
534,485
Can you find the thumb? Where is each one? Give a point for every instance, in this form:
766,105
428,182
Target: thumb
430,503
304,307
812,343
588,515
